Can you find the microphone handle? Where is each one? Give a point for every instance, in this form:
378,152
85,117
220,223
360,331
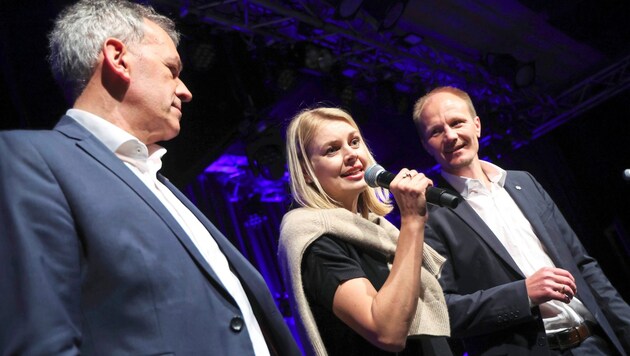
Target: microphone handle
441,197
434,195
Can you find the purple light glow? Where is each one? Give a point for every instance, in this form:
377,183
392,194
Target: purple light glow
349,72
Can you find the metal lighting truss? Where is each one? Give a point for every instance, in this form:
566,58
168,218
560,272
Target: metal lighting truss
523,113
356,43
576,100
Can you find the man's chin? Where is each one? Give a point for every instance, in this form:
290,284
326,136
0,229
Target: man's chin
171,133
454,164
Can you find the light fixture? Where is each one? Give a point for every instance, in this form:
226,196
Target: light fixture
386,12
346,9
347,96
203,56
505,65
265,155
318,58
286,79
525,74
411,39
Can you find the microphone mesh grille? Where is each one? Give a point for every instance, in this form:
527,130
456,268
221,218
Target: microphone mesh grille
371,173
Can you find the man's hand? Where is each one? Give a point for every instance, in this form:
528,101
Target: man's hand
550,284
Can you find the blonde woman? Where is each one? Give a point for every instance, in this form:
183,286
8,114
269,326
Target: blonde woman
358,285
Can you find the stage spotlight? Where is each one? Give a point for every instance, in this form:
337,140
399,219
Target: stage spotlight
347,96
505,65
386,12
525,74
203,56
345,9
411,39
318,58
265,155
286,79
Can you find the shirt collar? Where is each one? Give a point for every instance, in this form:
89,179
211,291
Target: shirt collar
463,185
126,146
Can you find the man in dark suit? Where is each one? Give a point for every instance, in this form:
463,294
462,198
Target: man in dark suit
99,254
517,280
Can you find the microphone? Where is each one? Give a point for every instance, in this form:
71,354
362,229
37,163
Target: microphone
377,176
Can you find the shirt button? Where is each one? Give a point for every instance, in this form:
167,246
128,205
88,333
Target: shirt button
236,324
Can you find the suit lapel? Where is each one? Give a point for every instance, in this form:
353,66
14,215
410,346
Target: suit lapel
465,212
231,253
468,214
94,148
522,190
250,278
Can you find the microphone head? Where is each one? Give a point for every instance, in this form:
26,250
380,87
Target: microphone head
371,173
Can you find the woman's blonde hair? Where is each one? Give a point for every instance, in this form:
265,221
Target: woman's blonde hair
300,133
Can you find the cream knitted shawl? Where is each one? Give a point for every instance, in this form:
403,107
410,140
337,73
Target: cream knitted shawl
300,227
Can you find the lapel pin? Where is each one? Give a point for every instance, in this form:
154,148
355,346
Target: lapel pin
518,187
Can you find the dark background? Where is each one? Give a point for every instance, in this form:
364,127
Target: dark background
569,127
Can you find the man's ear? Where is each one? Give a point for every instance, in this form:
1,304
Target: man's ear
425,144
420,132
115,59
477,123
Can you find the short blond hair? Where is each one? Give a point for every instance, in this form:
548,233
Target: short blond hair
300,132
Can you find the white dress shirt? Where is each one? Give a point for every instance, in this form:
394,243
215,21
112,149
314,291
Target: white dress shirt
145,161
506,220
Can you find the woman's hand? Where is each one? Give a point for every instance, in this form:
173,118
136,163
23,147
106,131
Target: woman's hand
409,189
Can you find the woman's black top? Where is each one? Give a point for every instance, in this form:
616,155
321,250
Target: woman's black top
327,263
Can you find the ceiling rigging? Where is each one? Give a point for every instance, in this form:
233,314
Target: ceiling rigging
362,52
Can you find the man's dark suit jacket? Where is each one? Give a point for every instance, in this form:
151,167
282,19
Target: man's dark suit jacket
485,290
91,261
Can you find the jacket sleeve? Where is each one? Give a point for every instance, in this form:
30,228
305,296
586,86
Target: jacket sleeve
613,306
39,256
481,311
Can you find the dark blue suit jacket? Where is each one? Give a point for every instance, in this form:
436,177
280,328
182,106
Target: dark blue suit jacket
485,290
91,262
